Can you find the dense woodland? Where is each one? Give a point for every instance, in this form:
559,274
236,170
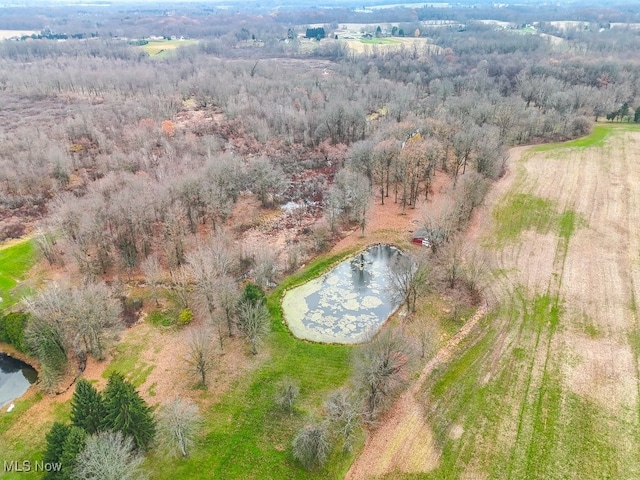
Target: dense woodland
128,167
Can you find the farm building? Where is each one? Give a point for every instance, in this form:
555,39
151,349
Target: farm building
420,237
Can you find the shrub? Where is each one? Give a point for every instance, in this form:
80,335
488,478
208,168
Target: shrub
311,446
320,237
185,317
287,393
252,294
160,319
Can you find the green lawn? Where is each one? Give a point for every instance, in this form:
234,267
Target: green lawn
595,139
29,442
245,435
519,212
15,261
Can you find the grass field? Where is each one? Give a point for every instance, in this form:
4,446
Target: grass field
548,387
366,46
160,48
595,139
246,436
23,439
15,260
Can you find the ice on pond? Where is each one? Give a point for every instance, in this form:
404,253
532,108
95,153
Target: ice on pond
346,304
351,304
371,302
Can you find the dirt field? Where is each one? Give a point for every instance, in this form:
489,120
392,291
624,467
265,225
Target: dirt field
547,386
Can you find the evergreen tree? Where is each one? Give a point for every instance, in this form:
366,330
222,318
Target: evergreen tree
87,407
252,295
73,445
127,412
55,447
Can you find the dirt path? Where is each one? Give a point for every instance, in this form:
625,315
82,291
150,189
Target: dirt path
560,368
404,441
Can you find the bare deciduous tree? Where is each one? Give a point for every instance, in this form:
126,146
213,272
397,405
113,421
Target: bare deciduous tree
253,323
200,357
451,262
46,244
227,296
178,424
425,332
312,445
408,280
344,415
381,369
439,229
152,271
84,320
349,197
207,264
181,286
476,271
265,261
110,456
267,180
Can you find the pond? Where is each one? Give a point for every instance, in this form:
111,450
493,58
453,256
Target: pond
346,304
15,378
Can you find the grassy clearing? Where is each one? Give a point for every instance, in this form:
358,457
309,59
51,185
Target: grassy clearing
520,212
15,260
523,212
160,48
28,441
126,360
245,436
161,319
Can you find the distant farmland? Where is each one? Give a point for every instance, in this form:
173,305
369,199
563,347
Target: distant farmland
159,48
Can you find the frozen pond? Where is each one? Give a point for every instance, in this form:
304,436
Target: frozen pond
15,378
345,304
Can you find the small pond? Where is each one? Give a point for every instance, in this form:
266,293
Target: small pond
15,378
347,303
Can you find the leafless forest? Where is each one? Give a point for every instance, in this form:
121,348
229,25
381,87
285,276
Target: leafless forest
128,165
146,168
